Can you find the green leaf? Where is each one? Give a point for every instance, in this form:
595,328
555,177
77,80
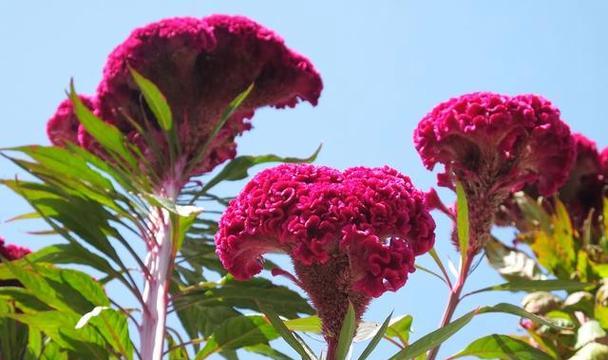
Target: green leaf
376,340
434,338
537,285
182,220
347,332
285,333
400,329
238,332
515,310
247,295
511,264
108,136
462,213
267,351
238,168
310,324
155,100
556,250
502,347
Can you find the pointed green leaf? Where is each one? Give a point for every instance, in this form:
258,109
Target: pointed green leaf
400,328
238,168
376,339
462,221
537,285
287,335
434,338
105,134
502,347
155,100
346,333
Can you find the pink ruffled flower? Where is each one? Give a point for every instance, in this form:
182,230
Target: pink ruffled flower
352,235
581,193
200,65
494,145
584,189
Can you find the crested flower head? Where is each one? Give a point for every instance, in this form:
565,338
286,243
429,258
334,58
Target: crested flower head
201,65
584,189
494,145
581,193
352,235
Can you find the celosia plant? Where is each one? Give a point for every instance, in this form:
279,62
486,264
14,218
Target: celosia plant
200,66
351,235
494,145
173,98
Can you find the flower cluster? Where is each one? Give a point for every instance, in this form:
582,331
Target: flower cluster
12,252
582,193
494,145
352,235
200,65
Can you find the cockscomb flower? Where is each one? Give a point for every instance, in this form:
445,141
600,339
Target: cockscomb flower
494,145
581,193
200,65
351,235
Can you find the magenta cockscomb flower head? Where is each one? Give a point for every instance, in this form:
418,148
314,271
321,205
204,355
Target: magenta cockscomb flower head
494,145
583,191
352,235
63,126
201,65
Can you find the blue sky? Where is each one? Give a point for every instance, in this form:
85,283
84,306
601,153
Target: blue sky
384,64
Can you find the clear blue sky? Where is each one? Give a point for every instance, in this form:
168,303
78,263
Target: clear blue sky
384,64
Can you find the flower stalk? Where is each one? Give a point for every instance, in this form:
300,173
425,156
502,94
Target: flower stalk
454,298
159,264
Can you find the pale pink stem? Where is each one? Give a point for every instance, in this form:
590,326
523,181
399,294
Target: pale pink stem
454,299
159,263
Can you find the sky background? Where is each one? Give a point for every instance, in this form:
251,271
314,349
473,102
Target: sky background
385,64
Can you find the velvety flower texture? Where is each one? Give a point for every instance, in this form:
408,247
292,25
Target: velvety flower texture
12,252
581,193
494,145
200,65
352,235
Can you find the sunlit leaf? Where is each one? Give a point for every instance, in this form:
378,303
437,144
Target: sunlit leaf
346,334
502,347
462,221
512,264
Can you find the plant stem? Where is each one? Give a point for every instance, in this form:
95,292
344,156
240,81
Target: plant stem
159,263
454,299
332,347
